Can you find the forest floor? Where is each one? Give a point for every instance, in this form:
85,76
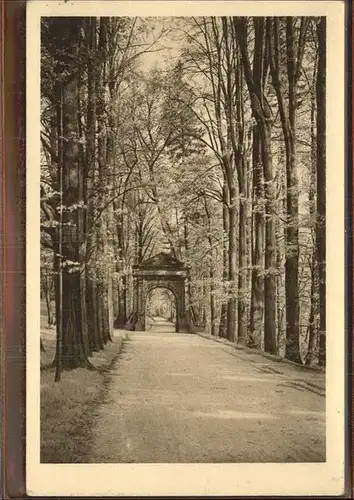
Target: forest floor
184,398
68,407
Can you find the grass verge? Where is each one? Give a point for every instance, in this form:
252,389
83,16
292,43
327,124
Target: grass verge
68,407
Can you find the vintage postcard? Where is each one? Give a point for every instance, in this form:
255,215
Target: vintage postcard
185,248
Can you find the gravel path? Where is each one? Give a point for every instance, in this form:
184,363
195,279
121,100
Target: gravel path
183,398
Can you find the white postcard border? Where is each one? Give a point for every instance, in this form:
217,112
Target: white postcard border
195,479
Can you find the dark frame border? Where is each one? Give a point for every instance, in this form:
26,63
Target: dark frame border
13,192
13,249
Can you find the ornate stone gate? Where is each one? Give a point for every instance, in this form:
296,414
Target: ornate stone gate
160,271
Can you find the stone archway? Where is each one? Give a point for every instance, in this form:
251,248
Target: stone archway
160,271
159,285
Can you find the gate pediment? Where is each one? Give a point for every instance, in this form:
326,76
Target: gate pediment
161,264
159,260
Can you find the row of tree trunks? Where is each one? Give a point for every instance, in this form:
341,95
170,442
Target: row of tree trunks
261,113
85,306
274,309
294,55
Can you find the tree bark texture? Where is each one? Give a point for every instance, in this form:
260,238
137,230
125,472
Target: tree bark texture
74,348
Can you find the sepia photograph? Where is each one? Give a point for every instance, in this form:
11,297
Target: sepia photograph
181,212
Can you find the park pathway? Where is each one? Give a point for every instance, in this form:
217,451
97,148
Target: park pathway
183,398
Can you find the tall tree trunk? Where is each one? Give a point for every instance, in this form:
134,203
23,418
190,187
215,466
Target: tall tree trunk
256,328
311,354
47,293
292,350
280,243
72,346
120,292
94,332
257,287
312,323
203,314
225,270
270,263
211,272
192,312
83,300
233,274
232,88
241,168
91,300
82,217
111,155
121,318
74,349
103,272
321,184
212,300
57,291
242,261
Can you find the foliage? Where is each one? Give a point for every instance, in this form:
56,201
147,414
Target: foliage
212,156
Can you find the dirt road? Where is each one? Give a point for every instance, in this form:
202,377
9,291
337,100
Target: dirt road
183,398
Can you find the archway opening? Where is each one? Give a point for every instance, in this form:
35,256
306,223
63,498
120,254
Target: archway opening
161,310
